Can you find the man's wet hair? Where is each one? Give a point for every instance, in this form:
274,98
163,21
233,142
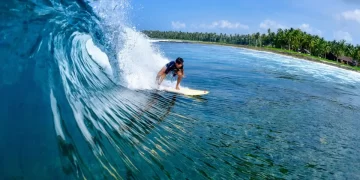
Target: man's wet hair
179,60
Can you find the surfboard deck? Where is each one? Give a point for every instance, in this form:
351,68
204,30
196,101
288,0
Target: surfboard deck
185,91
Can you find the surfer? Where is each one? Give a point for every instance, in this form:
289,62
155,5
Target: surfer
176,67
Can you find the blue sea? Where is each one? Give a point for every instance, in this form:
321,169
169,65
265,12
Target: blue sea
78,100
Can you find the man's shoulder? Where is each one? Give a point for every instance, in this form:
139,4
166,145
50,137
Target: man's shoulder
171,63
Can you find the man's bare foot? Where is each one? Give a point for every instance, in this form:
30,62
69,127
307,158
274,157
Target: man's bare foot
177,88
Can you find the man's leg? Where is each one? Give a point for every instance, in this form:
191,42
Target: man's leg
160,78
161,75
180,76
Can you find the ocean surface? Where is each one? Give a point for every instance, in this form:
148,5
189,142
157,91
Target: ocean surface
78,101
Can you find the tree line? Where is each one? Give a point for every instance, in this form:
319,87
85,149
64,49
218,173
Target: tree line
290,39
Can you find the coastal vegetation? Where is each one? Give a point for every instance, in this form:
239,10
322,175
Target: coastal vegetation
285,41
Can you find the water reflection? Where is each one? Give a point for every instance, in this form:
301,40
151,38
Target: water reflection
116,136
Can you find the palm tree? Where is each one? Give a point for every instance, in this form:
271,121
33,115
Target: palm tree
327,48
312,45
342,47
357,52
349,50
262,39
287,38
322,45
272,39
256,36
289,34
297,35
279,38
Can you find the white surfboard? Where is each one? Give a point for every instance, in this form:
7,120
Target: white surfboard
185,91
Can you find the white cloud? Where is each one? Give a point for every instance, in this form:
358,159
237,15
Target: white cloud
342,35
310,30
178,25
351,15
224,24
305,26
269,24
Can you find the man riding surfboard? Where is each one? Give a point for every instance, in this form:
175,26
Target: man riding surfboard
176,67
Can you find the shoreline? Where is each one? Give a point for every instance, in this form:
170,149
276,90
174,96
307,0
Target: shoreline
273,50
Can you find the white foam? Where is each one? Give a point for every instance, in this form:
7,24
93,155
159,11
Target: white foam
56,115
139,60
165,40
172,84
99,57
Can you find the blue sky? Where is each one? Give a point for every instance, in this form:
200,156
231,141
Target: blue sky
332,19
